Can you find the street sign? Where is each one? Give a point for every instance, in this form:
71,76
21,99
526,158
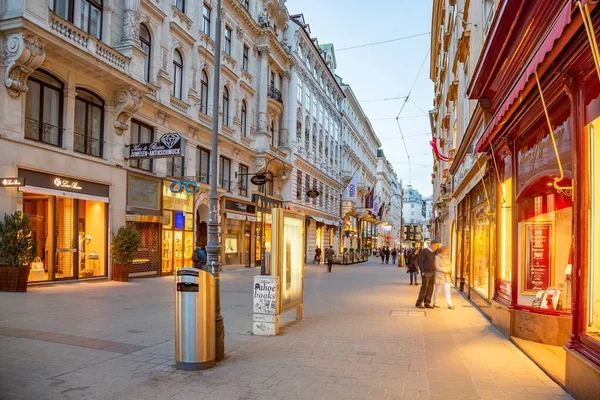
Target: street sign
169,145
259,179
12,182
313,194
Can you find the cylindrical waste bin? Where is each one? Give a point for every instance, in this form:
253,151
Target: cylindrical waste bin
194,319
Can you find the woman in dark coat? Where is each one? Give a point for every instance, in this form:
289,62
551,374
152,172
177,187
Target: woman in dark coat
413,265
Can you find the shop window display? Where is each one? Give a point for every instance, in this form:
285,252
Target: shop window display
504,211
593,273
481,250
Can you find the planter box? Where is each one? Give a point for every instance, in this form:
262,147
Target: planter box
120,273
14,279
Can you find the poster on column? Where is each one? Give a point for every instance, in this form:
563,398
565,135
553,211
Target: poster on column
538,257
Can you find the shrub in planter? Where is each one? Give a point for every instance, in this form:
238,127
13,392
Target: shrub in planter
17,250
125,244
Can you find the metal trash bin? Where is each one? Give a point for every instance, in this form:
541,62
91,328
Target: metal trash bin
194,319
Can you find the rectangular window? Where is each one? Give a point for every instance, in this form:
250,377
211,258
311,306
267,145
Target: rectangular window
206,10
203,166
314,186
307,104
141,133
91,17
321,194
299,185
225,173
245,58
307,188
227,47
243,180
175,166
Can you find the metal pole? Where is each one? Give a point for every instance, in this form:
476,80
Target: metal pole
213,248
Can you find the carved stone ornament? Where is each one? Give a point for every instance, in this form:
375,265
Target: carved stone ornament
131,25
263,51
127,102
259,163
262,122
22,55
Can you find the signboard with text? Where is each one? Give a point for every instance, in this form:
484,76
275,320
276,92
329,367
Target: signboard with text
169,145
12,182
538,257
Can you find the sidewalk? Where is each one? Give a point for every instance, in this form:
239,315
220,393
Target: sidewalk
361,337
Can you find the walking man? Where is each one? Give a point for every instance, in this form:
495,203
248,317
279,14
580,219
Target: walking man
427,268
329,253
387,255
394,254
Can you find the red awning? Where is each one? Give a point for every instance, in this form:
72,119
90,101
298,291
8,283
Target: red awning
564,18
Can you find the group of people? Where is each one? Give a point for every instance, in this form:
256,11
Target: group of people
385,253
435,267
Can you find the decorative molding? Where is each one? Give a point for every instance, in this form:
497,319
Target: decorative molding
23,54
131,26
162,118
263,51
127,102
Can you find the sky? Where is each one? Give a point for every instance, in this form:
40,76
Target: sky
383,71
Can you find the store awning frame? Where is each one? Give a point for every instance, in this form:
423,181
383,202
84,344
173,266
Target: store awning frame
499,119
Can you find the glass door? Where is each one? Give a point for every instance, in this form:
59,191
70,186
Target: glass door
65,238
167,252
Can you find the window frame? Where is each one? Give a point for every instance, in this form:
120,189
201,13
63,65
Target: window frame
180,5
40,116
204,92
222,162
102,117
201,151
243,180
175,83
148,44
98,5
139,162
206,19
228,40
245,58
244,119
225,100
171,164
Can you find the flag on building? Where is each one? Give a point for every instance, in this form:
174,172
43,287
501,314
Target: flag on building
376,204
380,212
369,199
351,191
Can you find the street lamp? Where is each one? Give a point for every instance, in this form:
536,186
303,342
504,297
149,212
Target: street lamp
213,248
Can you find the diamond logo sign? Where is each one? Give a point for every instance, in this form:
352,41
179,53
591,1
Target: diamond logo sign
170,139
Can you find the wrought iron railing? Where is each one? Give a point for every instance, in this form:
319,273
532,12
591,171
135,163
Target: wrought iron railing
88,145
43,132
274,94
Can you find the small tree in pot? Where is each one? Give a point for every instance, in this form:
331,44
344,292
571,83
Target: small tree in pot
17,249
123,249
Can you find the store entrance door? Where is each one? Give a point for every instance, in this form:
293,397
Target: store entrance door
65,238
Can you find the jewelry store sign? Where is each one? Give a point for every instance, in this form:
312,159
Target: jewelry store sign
169,145
12,182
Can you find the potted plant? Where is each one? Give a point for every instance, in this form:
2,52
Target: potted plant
17,249
123,248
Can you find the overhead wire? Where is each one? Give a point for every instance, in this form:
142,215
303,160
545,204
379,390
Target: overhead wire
383,41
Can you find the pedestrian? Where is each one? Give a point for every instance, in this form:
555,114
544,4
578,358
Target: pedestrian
427,268
413,265
382,254
394,255
317,259
443,271
329,254
387,255
199,256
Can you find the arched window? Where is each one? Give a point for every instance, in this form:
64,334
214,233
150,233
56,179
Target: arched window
180,4
44,108
89,123
204,92
177,75
244,119
225,106
146,42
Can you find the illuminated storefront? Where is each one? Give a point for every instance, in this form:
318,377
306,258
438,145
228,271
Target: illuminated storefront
69,222
238,220
263,228
178,230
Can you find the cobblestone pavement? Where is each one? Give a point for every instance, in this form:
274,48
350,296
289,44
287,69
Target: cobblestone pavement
361,337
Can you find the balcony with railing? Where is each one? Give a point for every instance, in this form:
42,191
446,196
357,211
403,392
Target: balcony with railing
89,145
43,132
274,101
274,93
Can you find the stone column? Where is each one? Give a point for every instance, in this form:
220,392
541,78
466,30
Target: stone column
284,129
263,54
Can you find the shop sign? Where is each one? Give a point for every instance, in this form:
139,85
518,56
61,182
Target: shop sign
169,145
56,182
537,256
265,295
312,194
259,179
143,192
176,201
236,216
238,206
12,182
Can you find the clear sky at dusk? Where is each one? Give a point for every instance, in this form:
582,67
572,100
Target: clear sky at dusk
383,71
